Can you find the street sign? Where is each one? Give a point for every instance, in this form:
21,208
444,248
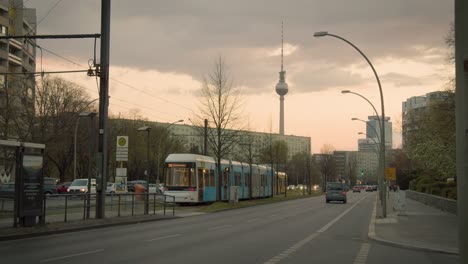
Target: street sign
390,173
121,152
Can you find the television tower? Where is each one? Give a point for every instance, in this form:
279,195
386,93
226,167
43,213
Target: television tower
282,87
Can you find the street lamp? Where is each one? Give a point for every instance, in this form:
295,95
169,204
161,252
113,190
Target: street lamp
91,116
74,139
147,129
382,117
159,152
373,128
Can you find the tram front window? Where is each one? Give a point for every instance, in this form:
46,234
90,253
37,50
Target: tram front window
180,177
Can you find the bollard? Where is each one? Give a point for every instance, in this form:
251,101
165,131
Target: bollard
66,208
154,204
164,204
173,205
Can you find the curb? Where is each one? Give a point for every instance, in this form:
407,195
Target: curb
372,236
82,228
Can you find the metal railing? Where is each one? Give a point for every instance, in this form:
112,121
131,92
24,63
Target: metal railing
71,207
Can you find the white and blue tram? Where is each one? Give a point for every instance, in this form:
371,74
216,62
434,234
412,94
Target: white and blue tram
192,178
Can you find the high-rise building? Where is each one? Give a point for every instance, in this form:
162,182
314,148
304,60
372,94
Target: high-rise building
373,130
16,56
413,110
282,87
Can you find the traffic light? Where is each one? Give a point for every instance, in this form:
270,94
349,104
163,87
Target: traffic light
362,173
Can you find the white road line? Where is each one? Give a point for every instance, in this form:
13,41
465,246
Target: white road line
218,227
306,240
73,255
252,220
324,228
361,258
160,238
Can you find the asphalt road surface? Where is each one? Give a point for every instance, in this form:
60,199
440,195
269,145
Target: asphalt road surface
298,231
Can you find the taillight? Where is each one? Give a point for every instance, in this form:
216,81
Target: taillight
191,189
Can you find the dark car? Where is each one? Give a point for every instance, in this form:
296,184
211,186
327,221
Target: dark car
335,191
7,190
63,187
50,186
356,189
131,185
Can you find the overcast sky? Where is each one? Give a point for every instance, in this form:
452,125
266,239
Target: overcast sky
164,48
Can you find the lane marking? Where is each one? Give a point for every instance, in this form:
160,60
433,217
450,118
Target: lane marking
327,226
218,227
73,255
160,238
361,257
252,220
286,253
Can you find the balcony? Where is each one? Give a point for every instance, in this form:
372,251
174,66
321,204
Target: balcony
15,59
17,44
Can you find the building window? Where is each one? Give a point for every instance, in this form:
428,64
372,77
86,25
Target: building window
3,30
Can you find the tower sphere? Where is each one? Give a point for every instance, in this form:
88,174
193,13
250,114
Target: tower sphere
282,88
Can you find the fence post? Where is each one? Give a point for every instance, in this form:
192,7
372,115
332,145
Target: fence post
84,206
133,202
42,217
164,204
154,204
173,205
66,208
118,214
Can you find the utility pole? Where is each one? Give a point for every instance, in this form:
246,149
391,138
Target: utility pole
103,108
461,104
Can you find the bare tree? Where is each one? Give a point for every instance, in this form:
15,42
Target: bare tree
327,164
220,104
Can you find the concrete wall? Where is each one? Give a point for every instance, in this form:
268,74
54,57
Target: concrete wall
444,204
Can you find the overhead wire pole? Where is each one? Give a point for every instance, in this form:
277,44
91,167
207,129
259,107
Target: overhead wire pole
461,104
103,108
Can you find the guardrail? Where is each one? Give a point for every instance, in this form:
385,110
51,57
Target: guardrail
438,202
67,207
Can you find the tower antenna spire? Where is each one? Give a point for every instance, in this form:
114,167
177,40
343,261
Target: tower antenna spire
281,45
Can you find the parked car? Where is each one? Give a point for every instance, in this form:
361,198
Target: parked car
356,189
111,187
50,186
63,187
7,190
131,185
81,186
335,191
369,188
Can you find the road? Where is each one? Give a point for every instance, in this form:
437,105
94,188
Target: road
297,231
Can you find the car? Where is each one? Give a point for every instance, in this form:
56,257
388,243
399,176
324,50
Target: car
81,186
111,187
291,187
131,184
356,189
335,191
369,188
63,187
50,186
316,187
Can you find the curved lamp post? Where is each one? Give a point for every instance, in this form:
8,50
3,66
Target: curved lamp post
74,139
382,127
147,129
159,152
364,121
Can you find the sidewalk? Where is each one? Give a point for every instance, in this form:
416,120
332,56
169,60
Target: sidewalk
9,233
418,227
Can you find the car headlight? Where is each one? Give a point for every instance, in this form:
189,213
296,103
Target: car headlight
82,190
68,190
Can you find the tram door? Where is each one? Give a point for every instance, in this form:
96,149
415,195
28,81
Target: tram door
201,184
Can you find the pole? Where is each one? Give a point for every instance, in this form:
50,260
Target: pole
147,170
461,97
90,159
74,139
103,107
382,127
205,138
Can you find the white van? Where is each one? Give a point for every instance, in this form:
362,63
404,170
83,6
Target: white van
81,186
